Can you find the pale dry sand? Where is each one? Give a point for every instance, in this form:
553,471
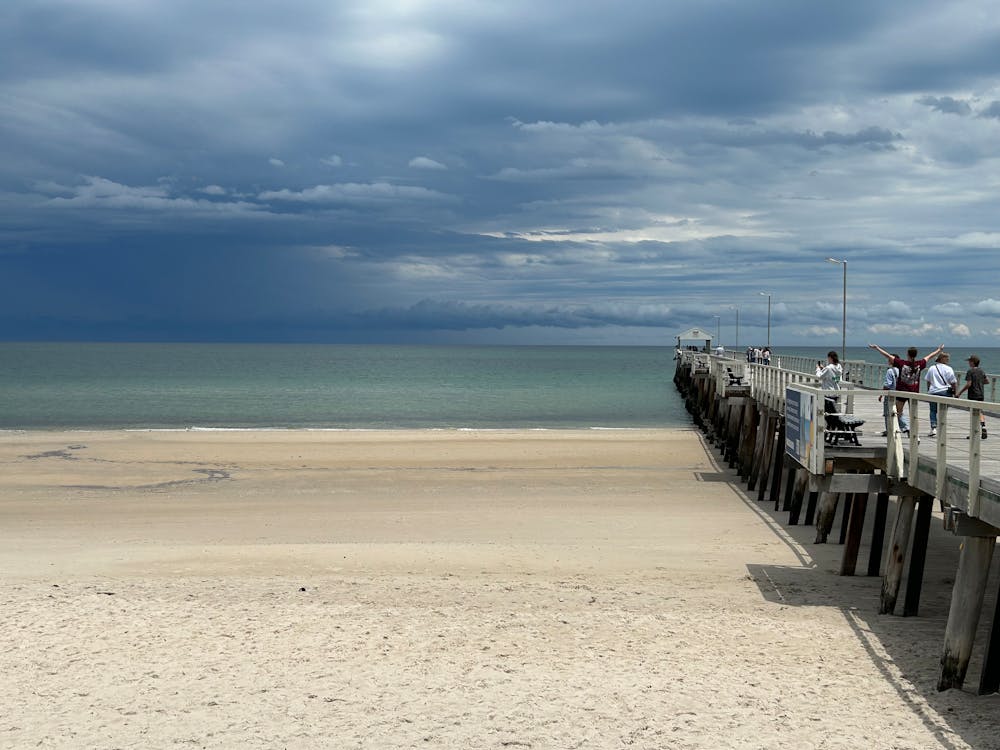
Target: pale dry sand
543,589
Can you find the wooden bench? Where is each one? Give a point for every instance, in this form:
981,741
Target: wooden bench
843,427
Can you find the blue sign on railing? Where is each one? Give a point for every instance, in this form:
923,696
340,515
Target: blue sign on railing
799,434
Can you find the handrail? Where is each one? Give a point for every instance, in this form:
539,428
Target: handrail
945,403
869,375
768,384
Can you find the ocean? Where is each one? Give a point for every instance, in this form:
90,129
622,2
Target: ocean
51,386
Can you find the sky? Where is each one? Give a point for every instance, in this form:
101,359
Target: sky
500,171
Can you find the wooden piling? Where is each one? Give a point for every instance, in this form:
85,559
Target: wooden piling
855,528
966,605
748,438
735,427
760,447
897,554
989,681
811,508
918,555
801,483
878,534
824,516
766,454
786,500
778,464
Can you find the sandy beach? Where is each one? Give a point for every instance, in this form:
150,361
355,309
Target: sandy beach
460,589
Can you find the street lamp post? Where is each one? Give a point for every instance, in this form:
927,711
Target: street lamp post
843,330
718,329
737,309
768,295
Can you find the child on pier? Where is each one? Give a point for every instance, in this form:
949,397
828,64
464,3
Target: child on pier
976,381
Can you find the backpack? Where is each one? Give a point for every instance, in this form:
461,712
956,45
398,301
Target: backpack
909,374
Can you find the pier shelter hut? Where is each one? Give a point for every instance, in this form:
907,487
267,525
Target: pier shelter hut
695,337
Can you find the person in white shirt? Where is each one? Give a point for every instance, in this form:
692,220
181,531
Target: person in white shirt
941,381
829,376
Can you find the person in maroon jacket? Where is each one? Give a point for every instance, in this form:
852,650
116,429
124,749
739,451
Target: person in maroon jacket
909,371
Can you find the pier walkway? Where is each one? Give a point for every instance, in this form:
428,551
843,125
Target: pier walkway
771,423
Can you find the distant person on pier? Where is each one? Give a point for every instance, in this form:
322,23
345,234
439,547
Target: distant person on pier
720,350
909,371
941,381
889,384
830,375
766,356
976,381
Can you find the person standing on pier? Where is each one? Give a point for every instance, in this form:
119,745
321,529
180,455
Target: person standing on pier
941,381
830,376
976,381
889,384
909,371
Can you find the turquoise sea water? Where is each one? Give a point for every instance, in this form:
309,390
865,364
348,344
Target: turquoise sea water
119,386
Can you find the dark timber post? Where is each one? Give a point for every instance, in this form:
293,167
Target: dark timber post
759,448
766,454
878,534
811,508
824,517
786,501
990,680
897,554
918,555
778,463
848,498
966,604
855,527
801,483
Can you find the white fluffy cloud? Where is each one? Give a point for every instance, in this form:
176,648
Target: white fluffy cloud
424,162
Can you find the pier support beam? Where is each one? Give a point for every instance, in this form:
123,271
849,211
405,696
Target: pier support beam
989,682
748,438
811,508
900,540
918,555
765,423
789,494
824,516
878,534
770,425
735,427
855,528
966,604
778,464
801,484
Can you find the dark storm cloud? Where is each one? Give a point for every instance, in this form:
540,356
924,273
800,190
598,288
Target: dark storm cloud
389,169
946,104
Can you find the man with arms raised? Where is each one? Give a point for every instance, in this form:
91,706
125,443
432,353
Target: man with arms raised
909,371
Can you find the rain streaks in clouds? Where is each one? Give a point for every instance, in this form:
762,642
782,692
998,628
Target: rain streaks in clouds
588,172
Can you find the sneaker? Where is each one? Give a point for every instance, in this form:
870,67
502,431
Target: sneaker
932,433
984,434
883,433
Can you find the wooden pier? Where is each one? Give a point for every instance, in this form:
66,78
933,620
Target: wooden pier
771,425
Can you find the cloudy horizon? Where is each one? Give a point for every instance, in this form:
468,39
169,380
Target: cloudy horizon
481,172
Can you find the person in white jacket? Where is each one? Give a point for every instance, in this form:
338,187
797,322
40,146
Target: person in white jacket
830,376
941,381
